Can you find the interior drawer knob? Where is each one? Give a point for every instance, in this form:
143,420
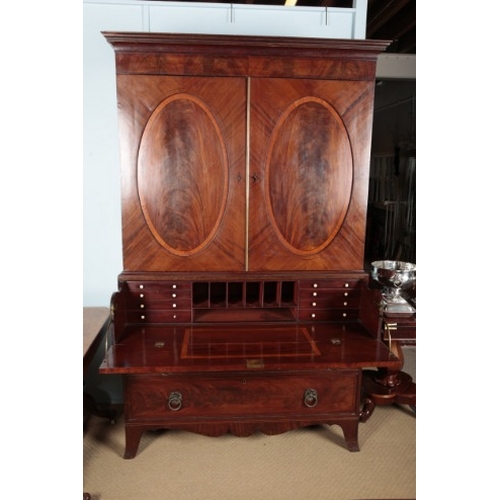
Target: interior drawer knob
175,401
310,398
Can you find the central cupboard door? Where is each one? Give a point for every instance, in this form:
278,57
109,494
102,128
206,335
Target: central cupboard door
183,153
309,167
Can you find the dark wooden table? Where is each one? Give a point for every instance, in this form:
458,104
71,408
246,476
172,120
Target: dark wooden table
393,385
95,322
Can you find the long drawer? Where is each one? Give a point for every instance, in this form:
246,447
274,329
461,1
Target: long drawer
158,397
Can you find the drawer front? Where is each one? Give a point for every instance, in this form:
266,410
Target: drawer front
163,316
325,300
347,284
145,305
159,287
244,394
156,297
328,314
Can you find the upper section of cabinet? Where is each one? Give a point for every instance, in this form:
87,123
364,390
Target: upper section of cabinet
242,153
234,55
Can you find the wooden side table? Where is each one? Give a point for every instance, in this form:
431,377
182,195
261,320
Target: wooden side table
390,386
95,323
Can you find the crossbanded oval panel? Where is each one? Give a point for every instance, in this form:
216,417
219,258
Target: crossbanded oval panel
182,174
309,174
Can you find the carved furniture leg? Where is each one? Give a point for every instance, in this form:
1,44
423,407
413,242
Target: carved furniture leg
366,410
133,436
350,429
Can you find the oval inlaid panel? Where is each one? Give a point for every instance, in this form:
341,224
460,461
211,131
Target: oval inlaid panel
182,174
309,175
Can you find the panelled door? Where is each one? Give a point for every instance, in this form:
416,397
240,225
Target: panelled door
183,151
309,167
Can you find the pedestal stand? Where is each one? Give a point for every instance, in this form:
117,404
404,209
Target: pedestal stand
393,386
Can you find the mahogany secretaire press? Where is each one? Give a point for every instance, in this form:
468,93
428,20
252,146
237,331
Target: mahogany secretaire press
243,305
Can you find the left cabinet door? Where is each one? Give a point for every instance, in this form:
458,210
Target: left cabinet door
182,142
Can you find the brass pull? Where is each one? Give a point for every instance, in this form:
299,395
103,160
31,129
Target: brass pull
255,177
310,398
175,401
388,327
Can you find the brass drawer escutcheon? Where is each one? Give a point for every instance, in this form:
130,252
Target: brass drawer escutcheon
255,364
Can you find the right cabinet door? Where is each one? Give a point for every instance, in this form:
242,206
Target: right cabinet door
309,167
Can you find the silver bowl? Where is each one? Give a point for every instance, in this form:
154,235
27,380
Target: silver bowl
395,276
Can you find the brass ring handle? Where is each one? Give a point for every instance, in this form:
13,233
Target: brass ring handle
310,398
175,401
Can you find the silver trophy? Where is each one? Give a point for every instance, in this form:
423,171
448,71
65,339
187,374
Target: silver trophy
395,277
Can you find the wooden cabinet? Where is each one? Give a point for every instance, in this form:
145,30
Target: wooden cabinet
243,154
245,165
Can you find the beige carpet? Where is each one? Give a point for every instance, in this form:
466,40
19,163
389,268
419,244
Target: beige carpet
303,464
